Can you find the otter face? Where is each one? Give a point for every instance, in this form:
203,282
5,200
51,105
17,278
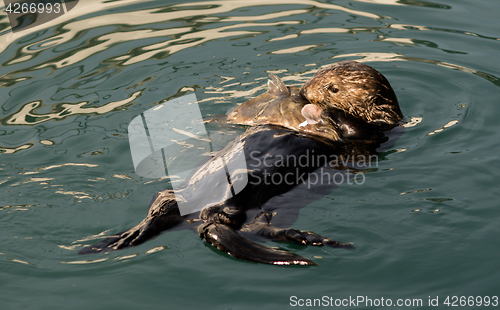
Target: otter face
357,89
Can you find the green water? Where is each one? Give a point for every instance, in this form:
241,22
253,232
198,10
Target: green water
425,223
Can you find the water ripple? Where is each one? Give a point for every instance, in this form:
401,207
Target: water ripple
389,57
70,87
427,4
26,115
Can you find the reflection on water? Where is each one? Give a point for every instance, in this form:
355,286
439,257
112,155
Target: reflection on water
27,115
203,22
409,3
368,57
183,37
70,87
12,150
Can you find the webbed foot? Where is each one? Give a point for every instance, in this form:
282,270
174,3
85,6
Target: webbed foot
163,214
118,241
261,226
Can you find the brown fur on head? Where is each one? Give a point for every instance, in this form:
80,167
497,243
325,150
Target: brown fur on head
357,89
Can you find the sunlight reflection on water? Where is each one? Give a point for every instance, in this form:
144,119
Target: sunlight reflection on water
70,87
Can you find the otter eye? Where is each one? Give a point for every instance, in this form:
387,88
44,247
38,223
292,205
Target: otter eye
334,89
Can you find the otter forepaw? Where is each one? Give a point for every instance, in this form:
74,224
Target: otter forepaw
230,216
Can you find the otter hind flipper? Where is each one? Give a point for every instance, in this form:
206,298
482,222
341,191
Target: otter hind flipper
261,226
163,214
229,241
111,243
134,236
276,86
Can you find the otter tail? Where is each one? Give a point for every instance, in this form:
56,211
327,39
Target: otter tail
229,241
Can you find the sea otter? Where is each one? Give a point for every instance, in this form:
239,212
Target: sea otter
343,110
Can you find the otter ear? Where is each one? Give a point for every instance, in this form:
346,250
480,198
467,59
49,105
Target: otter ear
276,86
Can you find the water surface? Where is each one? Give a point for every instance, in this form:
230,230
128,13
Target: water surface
424,222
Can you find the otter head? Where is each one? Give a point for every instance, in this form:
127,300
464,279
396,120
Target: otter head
356,88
